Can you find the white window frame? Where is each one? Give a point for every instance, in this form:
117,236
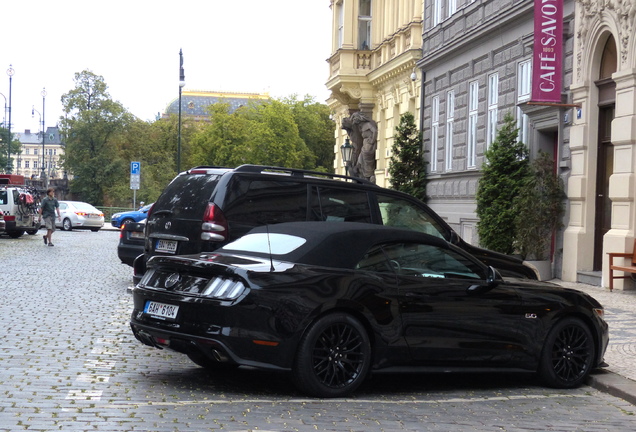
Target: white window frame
473,115
524,90
340,24
364,25
493,101
434,132
437,12
452,7
450,118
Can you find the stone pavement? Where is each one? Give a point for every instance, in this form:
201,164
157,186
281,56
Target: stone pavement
619,378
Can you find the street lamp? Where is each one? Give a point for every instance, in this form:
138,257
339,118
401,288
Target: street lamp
33,111
10,72
181,85
43,175
346,150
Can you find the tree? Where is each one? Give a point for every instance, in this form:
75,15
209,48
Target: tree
91,125
16,148
316,129
259,133
503,177
407,167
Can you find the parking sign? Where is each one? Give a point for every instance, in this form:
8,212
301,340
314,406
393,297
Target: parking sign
135,168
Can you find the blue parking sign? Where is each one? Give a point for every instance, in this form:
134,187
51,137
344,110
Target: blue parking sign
135,168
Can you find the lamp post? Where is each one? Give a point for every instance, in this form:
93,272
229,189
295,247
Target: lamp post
181,85
33,111
43,175
346,150
10,72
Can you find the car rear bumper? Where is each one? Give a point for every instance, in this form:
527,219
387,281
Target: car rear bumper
213,348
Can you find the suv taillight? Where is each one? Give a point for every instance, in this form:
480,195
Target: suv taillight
214,226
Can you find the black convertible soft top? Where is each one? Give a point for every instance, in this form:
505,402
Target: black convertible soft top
337,244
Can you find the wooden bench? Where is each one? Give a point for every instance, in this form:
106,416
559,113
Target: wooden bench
623,268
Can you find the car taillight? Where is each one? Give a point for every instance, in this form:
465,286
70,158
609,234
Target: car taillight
224,289
214,225
150,211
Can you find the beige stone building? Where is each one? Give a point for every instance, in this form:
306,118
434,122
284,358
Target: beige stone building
602,184
29,161
376,45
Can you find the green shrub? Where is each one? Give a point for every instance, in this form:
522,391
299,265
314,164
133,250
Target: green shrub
539,208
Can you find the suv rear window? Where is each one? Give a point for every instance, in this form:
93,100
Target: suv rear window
187,196
254,202
340,205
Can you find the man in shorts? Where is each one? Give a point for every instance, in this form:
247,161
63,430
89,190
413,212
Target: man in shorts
48,207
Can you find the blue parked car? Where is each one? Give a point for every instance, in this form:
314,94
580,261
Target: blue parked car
120,219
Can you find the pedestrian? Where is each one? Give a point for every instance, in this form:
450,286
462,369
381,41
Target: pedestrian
48,207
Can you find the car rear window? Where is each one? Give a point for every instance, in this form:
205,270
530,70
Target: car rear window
255,202
187,196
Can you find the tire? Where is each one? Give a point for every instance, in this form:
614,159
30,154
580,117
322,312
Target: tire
32,232
568,354
209,364
125,221
15,234
94,229
333,358
66,224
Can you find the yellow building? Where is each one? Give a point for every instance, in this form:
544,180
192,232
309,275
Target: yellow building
375,45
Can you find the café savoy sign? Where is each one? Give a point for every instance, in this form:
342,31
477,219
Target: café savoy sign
548,55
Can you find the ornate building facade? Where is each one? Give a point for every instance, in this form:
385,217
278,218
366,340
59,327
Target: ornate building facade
375,45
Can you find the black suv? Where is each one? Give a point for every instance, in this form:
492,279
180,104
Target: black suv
206,207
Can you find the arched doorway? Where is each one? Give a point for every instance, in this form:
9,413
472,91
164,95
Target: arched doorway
605,151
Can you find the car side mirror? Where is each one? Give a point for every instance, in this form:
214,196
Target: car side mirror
492,280
454,238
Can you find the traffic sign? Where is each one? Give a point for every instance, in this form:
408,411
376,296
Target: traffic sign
135,168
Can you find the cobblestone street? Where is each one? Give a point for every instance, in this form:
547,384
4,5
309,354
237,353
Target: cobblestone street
69,362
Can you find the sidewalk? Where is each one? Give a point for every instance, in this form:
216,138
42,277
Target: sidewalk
619,378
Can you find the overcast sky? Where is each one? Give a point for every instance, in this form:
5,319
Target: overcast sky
280,47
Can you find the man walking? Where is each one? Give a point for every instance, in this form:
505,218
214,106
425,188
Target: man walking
48,207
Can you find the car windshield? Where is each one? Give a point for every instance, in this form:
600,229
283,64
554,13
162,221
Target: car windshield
275,244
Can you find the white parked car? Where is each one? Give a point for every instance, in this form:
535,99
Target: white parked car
79,215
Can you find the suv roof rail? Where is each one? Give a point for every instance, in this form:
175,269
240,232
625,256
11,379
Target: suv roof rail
296,172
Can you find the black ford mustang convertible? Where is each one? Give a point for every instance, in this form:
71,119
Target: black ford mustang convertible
332,302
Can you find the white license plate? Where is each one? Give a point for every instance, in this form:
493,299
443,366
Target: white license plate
161,310
169,246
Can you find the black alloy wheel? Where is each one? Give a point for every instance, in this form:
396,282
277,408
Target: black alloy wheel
333,357
568,354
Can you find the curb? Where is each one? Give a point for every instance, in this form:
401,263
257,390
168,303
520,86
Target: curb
613,384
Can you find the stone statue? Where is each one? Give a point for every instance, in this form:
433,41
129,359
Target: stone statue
363,133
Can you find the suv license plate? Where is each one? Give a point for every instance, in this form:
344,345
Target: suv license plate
168,246
161,310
